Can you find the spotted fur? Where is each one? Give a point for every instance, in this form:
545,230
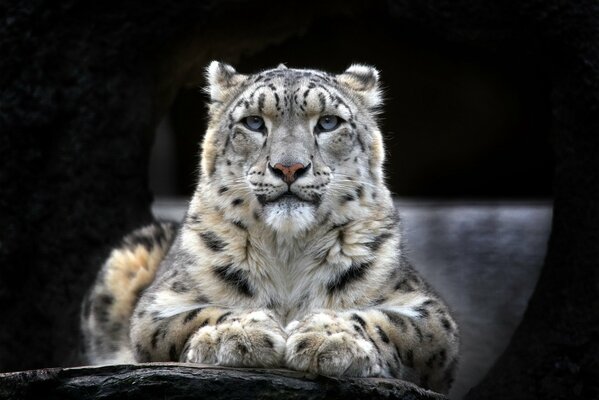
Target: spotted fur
290,253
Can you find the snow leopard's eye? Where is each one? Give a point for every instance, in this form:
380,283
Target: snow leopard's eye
327,123
254,123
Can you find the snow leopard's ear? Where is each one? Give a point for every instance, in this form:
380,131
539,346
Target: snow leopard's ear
222,80
364,81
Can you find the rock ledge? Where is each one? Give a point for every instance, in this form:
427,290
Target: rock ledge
184,381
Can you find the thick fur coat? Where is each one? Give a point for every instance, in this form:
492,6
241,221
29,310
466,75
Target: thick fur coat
291,251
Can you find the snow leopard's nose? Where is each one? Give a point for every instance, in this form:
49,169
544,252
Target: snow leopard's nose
289,172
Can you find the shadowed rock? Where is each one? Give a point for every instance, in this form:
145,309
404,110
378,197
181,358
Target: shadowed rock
184,381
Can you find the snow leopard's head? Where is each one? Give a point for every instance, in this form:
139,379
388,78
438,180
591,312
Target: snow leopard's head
294,145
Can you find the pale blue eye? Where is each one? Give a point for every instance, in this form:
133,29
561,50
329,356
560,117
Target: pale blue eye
328,123
254,123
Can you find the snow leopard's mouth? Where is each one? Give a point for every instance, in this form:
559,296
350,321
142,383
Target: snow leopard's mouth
287,197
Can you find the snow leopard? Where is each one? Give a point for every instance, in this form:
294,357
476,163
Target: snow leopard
290,254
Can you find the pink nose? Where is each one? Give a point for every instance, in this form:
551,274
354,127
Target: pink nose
289,173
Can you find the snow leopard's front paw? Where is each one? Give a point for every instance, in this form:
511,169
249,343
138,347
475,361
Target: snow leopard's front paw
254,339
328,344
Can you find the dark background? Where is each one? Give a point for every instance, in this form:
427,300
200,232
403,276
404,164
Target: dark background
461,120
490,99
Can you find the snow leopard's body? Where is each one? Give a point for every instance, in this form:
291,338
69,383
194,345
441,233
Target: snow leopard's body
290,253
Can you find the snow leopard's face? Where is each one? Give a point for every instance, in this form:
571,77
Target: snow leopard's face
295,144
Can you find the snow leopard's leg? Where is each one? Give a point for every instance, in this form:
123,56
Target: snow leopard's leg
409,335
108,306
174,321
211,335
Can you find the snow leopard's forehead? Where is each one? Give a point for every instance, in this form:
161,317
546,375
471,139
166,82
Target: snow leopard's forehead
358,82
288,93
293,74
